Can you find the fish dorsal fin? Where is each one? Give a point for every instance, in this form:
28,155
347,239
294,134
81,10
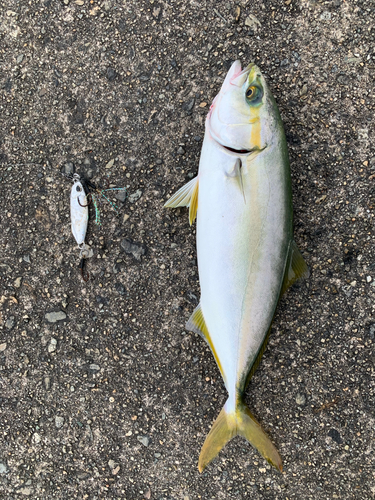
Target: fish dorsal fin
187,196
296,268
197,324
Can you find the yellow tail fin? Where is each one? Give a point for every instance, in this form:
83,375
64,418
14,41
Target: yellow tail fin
239,422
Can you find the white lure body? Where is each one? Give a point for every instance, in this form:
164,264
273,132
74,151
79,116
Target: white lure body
79,212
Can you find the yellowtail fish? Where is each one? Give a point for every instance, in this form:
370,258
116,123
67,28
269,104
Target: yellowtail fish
247,256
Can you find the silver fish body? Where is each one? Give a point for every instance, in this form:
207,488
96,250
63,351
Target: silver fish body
244,230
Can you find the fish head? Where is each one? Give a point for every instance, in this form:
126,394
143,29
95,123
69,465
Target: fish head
243,116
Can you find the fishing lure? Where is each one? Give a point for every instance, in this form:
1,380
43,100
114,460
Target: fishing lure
82,194
79,215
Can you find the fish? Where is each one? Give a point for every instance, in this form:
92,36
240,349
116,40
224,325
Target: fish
247,256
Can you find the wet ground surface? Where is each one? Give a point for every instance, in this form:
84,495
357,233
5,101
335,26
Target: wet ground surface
103,394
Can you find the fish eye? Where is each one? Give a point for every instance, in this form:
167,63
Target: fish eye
254,94
251,92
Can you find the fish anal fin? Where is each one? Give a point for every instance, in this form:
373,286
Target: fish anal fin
187,196
238,422
296,268
197,324
258,358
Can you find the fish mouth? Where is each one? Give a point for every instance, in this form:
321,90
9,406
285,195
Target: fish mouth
239,151
243,152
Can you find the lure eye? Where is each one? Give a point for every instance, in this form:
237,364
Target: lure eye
78,188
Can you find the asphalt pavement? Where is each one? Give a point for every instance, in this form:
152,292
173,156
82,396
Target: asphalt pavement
103,393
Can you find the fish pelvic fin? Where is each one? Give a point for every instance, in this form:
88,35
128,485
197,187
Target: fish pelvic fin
296,268
187,196
240,422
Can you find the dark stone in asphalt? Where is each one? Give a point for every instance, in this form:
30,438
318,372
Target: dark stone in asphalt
110,74
132,248
335,435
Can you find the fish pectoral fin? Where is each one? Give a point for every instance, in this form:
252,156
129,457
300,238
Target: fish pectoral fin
239,422
296,268
187,196
235,172
197,324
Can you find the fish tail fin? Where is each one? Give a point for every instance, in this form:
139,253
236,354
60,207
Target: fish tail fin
240,422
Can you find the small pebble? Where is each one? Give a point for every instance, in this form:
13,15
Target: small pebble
335,435
47,383
36,438
119,287
3,347
188,105
180,151
3,468
300,399
133,248
135,196
26,491
94,367
10,323
120,195
54,316
144,440
111,74
52,345
17,282
68,168
59,422
237,13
